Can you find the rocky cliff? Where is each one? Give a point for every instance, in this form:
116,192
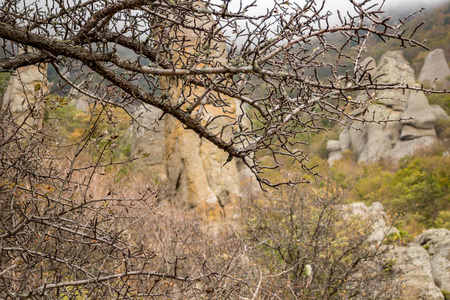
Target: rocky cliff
386,136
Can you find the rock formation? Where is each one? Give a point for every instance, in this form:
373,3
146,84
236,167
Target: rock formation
195,170
25,93
437,244
439,113
385,137
435,68
79,100
422,267
412,263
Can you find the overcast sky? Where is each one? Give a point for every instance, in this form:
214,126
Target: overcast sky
400,8
406,5
344,5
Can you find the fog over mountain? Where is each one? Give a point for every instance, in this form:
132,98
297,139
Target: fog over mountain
389,5
404,5
392,7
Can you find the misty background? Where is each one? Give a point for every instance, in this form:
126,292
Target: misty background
398,8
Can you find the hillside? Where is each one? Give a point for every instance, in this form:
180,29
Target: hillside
101,201
434,32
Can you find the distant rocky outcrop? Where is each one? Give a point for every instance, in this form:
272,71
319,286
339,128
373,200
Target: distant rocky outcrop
385,136
435,69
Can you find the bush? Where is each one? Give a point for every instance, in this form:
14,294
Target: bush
107,126
313,248
68,222
443,129
418,188
443,100
4,79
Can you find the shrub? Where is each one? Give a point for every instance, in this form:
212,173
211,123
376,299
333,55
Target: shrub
418,188
4,79
443,100
313,249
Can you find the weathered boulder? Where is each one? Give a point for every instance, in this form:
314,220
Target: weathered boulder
411,132
334,151
404,148
358,137
345,140
78,100
434,68
437,243
415,275
334,155
440,265
420,110
366,69
380,135
421,269
394,68
333,145
384,136
424,265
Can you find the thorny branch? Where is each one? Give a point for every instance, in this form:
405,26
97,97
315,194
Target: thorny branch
269,62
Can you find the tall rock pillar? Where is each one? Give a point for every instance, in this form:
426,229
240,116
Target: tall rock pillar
197,172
